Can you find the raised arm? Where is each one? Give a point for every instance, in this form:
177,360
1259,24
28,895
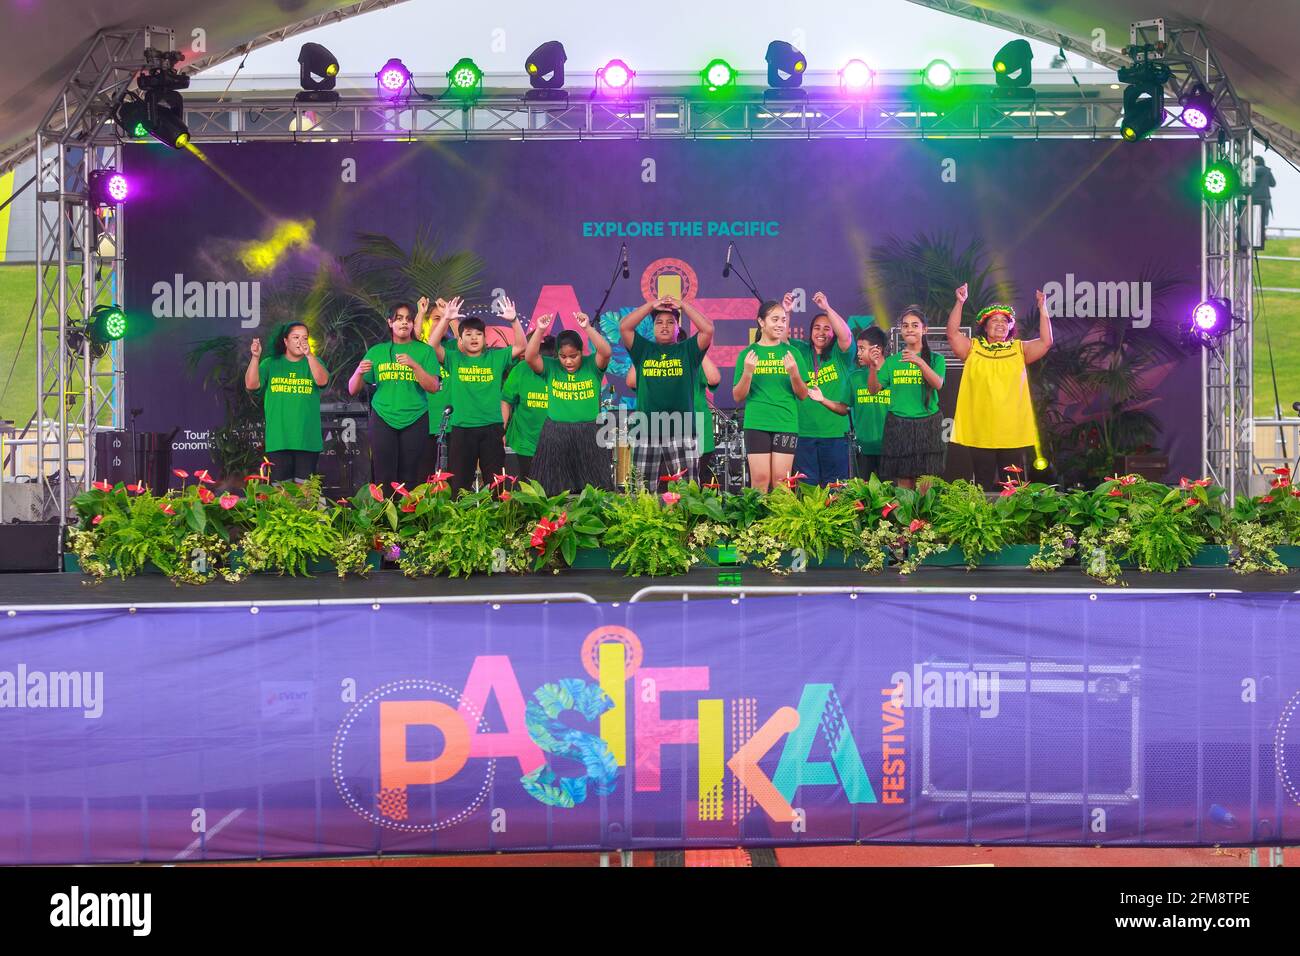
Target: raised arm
843,335
702,323
510,315
1037,348
533,350
604,352
450,312
252,378
627,325
958,339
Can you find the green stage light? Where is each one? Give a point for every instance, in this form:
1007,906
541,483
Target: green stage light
1040,463
465,79
1219,181
107,324
939,75
718,75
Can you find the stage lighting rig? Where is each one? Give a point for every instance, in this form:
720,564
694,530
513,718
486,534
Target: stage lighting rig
1220,181
318,71
157,110
1210,321
1198,108
939,76
393,80
614,79
465,80
718,77
785,65
1144,96
1012,67
856,78
545,68
107,187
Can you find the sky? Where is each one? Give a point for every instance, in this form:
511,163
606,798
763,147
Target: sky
674,35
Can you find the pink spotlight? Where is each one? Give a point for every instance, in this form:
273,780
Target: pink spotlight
856,77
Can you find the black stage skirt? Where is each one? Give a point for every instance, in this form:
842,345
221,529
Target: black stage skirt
912,447
569,458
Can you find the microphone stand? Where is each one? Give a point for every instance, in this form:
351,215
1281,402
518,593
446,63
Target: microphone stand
746,280
618,269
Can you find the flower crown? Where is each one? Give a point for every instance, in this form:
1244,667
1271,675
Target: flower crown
1007,310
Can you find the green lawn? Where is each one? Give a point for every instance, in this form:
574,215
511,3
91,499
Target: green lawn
1279,312
17,293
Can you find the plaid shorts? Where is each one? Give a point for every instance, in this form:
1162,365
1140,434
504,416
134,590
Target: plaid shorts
652,462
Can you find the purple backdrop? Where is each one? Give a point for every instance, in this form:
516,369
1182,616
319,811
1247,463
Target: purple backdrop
215,733
1076,214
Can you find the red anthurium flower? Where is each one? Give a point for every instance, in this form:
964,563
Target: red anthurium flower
884,512
501,479
441,486
97,519
1191,502
836,484
1266,500
440,477
676,476
1014,469
1008,489
830,499
1203,482
179,473
206,496
859,506
792,480
400,488
564,519
1279,483
1295,492
254,478
1130,480
1115,493
1282,471
203,476
376,492
916,525
712,484
137,488
408,507
671,497
101,486
261,497
1184,484
505,496
167,509
229,501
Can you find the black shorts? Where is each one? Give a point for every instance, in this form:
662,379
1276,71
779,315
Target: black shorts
764,443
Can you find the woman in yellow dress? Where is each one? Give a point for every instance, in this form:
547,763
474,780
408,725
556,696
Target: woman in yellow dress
995,417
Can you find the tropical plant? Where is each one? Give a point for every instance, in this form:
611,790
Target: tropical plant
926,269
966,519
648,536
811,519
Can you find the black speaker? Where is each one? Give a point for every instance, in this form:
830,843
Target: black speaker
29,546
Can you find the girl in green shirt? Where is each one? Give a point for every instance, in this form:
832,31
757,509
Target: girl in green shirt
290,382
399,408
912,444
769,379
823,453
569,453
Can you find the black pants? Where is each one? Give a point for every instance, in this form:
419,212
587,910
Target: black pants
867,465
483,446
521,465
397,453
289,465
989,464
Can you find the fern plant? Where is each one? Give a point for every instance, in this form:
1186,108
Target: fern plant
647,536
965,518
811,519
1163,537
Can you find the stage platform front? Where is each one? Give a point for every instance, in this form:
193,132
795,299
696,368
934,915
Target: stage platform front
43,590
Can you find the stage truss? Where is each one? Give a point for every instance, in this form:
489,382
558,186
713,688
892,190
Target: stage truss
81,254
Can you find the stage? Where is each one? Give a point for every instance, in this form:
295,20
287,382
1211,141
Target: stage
51,590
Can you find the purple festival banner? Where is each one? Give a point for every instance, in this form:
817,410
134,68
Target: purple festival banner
1109,231
228,732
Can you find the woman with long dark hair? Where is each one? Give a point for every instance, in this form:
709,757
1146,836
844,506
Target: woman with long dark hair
569,456
770,380
912,444
290,381
995,417
823,452
399,408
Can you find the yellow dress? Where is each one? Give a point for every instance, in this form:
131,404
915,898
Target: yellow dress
993,406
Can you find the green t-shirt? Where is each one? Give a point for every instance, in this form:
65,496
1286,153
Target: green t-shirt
575,396
704,409
907,386
439,400
399,400
664,374
868,412
476,384
291,402
771,405
528,393
832,377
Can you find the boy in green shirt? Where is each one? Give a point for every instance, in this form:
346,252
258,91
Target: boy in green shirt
475,373
663,431
868,409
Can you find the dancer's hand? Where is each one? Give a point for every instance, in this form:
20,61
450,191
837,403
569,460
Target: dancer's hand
963,290
875,356
787,302
788,361
582,319
751,361
909,356
819,300
544,321
365,366
815,393
256,348
508,309
423,305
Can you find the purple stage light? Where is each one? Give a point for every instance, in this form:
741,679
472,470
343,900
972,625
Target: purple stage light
616,74
1195,119
855,77
393,77
1212,316
118,187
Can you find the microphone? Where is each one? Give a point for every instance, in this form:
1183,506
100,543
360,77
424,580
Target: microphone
726,269
627,273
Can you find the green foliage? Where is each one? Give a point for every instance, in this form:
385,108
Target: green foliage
966,519
811,520
1162,538
648,536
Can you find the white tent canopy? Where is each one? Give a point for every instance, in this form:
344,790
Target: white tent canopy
42,42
